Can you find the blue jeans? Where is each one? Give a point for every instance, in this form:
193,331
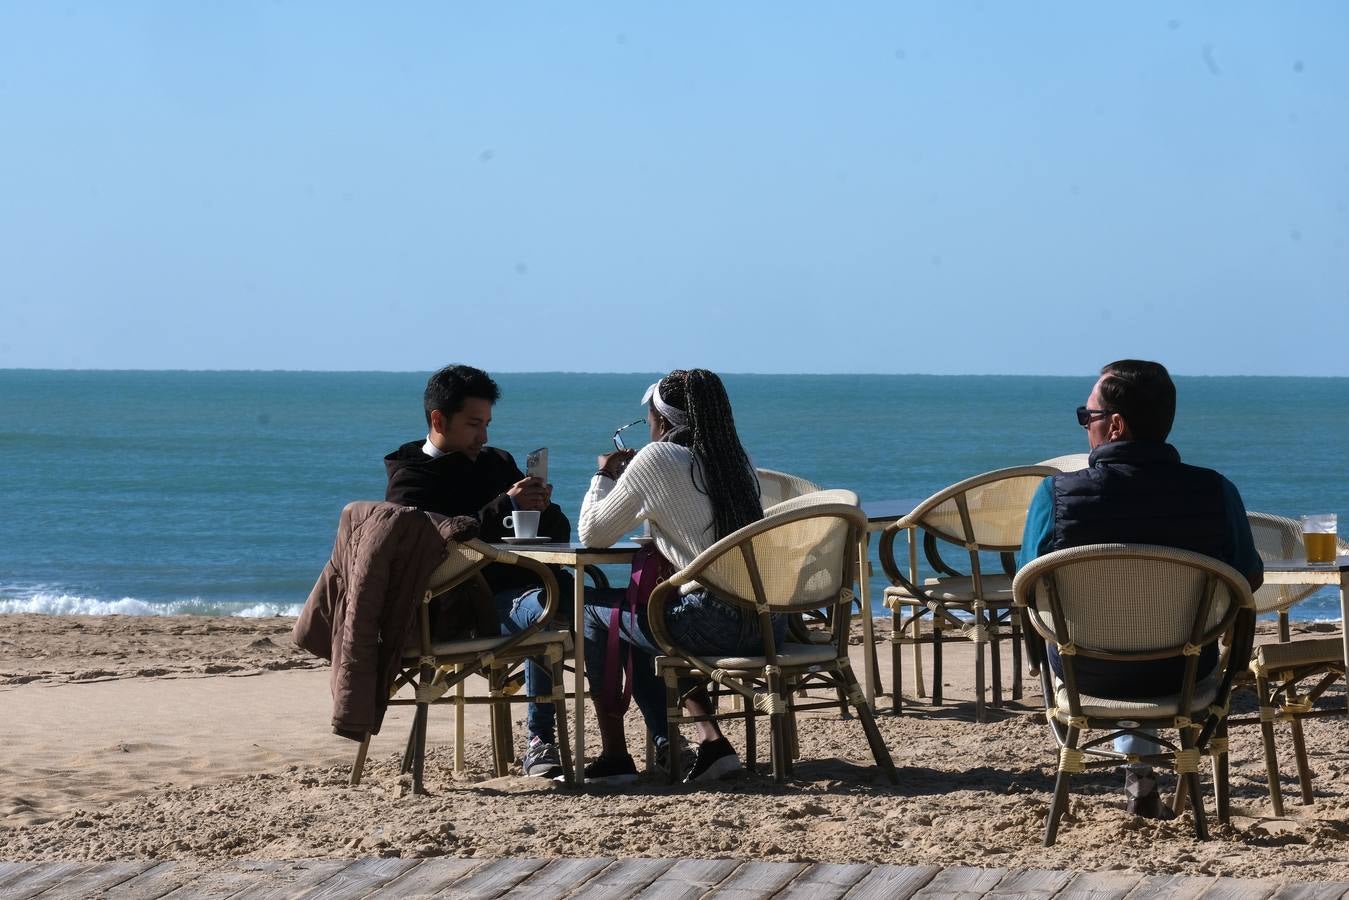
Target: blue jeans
516,611
1138,745
699,623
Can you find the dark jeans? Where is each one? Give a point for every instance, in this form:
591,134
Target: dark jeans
699,623
516,610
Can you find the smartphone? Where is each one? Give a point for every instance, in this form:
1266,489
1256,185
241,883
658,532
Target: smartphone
536,464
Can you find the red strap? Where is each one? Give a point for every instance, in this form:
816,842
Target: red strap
649,568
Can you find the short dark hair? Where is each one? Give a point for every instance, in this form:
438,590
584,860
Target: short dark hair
1143,393
447,390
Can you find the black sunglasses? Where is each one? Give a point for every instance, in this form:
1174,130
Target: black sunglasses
618,435
1086,416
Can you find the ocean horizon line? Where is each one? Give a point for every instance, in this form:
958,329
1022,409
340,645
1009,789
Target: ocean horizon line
648,373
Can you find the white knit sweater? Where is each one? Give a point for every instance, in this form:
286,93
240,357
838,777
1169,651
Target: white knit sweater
657,487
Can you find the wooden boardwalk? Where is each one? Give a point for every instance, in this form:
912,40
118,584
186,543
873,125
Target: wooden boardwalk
615,879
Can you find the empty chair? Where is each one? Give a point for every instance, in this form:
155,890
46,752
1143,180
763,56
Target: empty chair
774,487
983,514
1280,670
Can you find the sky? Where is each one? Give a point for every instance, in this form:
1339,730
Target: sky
750,187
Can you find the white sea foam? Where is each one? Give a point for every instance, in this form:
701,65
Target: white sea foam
70,605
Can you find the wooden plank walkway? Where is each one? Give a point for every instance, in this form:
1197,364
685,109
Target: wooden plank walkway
615,879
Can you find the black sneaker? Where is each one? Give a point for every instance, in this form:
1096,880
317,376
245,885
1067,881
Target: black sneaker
541,759
716,759
612,770
661,765
1140,786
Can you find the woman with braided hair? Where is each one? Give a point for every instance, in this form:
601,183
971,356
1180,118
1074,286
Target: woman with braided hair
694,485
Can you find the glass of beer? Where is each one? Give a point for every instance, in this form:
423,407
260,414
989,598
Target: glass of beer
1318,533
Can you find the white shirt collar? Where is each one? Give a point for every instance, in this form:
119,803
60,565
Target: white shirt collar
431,449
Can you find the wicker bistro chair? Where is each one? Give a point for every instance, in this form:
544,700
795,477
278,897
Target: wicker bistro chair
1279,669
434,669
1135,603
774,486
800,557
1069,462
986,513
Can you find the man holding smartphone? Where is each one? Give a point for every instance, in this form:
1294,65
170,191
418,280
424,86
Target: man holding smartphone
454,472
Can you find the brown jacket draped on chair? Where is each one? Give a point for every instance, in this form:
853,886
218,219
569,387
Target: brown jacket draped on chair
363,607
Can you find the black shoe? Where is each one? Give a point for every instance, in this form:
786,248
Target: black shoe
611,770
661,765
1140,786
716,759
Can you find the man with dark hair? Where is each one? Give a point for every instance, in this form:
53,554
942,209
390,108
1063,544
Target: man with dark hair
1135,490
453,472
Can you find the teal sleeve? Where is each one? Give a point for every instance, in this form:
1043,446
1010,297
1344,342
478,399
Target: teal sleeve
1039,531
1244,558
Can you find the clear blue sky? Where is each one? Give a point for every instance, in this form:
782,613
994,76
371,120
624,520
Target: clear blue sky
751,187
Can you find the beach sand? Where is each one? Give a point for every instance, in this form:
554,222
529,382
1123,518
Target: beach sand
207,739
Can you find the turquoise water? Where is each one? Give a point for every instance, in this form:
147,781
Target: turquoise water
218,492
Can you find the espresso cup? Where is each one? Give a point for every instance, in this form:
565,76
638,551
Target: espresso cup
525,523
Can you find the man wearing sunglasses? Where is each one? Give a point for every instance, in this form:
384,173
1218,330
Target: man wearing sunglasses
1135,490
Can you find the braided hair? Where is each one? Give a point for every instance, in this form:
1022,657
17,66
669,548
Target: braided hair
728,479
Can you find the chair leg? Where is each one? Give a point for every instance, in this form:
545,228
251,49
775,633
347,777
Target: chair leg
995,656
936,662
676,772
1304,769
778,720
751,734
980,714
500,724
1267,738
358,767
919,691
563,726
410,751
1221,784
1017,687
1195,794
897,693
1060,803
419,748
879,751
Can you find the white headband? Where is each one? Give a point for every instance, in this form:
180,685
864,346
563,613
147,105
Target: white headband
676,417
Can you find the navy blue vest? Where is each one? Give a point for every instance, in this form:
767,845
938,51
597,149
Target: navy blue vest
1139,492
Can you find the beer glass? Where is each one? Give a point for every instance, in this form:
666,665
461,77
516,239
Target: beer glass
1318,533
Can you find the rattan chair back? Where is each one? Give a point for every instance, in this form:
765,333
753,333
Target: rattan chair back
799,557
774,487
1278,537
1135,603
1130,601
987,511
1069,462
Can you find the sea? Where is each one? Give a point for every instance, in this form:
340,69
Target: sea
218,493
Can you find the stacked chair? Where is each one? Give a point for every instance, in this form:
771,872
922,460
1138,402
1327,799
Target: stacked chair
801,556
1280,670
1134,603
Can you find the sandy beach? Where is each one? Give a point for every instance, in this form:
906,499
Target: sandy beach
207,739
